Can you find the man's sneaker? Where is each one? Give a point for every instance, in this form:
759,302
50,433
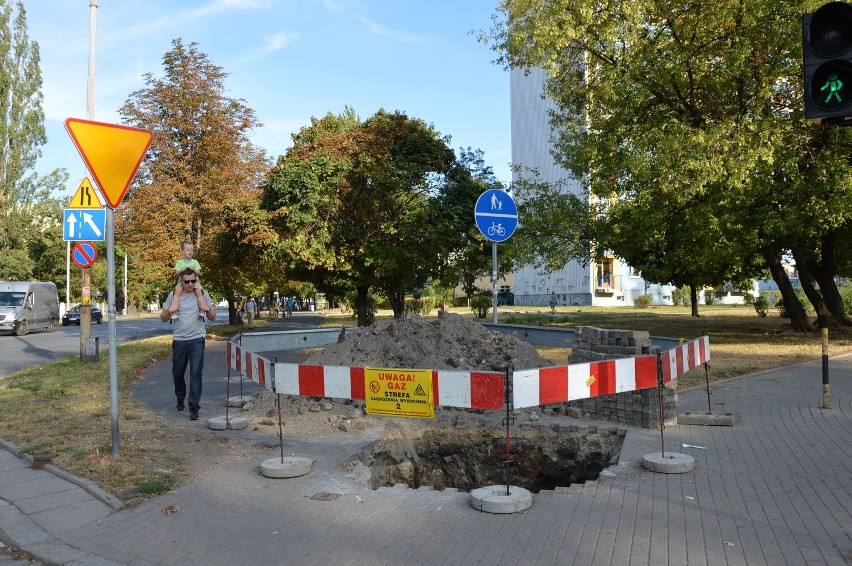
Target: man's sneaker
180,406
193,414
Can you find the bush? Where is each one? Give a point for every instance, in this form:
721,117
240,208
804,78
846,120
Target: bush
680,296
642,301
806,304
709,296
481,304
438,294
421,307
761,306
846,294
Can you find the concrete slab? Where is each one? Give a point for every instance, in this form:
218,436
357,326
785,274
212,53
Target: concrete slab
494,499
707,419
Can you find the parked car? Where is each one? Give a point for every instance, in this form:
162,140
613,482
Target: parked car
73,316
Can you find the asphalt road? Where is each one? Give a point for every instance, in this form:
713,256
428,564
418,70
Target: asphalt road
39,346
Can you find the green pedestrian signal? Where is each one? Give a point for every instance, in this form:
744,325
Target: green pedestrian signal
827,58
833,85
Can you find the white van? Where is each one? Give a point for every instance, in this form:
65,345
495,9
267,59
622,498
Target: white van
25,305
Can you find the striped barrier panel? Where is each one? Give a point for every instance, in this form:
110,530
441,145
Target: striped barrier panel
250,365
542,386
450,388
481,390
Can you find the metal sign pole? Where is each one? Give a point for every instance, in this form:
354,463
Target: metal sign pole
494,279
111,331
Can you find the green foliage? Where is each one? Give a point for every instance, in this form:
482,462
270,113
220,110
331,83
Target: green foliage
846,294
806,304
481,303
31,244
350,299
686,132
350,200
680,296
420,307
203,173
761,306
709,296
642,301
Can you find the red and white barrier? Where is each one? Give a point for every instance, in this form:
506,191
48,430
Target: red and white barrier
451,388
542,386
481,389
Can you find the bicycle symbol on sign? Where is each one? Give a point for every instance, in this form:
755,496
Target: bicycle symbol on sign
496,230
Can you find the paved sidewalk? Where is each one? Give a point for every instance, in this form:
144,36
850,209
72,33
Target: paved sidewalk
774,489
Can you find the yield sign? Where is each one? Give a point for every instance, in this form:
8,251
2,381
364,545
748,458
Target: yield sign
112,153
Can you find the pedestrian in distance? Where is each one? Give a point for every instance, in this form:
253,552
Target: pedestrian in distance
250,311
188,340
553,302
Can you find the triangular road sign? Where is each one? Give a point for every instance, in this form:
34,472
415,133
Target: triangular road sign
112,153
85,197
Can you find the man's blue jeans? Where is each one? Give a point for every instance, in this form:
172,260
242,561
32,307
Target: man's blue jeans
189,352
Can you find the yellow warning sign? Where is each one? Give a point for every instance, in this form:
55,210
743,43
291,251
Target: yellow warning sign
85,197
112,154
399,392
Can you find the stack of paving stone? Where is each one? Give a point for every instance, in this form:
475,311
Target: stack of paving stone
634,408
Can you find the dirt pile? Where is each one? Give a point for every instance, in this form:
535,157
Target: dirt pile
450,342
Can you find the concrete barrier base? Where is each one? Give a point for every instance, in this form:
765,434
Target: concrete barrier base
493,499
672,463
221,423
288,467
238,401
707,419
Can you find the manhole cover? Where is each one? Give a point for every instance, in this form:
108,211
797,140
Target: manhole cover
325,496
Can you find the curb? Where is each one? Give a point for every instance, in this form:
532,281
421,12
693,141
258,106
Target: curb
90,487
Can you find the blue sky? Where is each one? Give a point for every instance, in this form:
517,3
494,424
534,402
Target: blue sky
288,59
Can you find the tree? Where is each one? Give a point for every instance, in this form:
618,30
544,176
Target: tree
357,206
694,105
30,221
469,251
198,177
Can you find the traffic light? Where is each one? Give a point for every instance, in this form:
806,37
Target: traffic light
827,53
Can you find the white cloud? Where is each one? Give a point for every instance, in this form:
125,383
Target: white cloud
272,43
381,30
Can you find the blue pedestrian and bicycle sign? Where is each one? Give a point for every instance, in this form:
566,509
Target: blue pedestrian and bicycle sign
496,215
84,224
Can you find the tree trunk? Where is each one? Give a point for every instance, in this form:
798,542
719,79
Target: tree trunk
824,275
365,317
397,301
693,299
798,318
814,296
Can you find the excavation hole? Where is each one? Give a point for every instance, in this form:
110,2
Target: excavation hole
470,459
